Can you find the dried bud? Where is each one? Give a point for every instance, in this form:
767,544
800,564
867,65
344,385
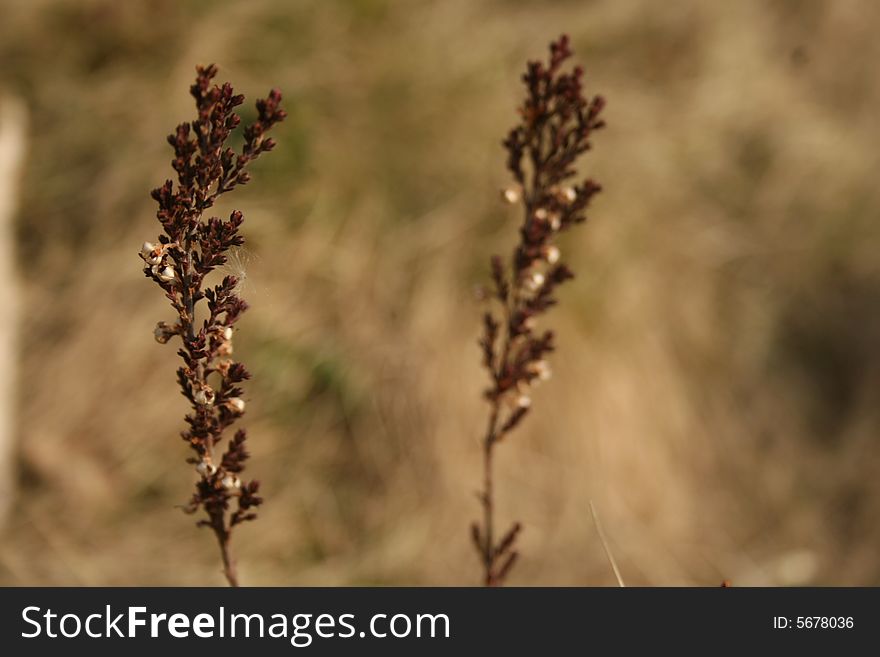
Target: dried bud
235,404
151,253
534,281
515,399
165,274
511,195
569,194
223,367
163,332
225,348
541,369
551,254
206,468
204,396
226,332
555,222
231,482
541,214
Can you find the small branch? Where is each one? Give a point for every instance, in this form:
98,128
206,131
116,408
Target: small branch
608,554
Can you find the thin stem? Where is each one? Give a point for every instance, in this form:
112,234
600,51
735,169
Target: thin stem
608,554
491,438
186,291
218,524
229,567
487,499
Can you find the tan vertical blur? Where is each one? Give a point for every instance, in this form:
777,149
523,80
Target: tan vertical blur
12,150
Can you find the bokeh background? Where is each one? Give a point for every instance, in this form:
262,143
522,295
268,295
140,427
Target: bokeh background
715,391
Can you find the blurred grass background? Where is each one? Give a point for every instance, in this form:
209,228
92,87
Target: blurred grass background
716,384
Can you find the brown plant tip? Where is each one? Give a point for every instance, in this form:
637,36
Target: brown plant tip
189,249
499,577
557,122
509,538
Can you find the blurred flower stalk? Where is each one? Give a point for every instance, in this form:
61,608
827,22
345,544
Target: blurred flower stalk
557,121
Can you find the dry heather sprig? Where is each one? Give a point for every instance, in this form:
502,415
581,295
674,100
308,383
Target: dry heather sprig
557,121
190,248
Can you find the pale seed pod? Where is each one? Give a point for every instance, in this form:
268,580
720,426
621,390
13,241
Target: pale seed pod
551,254
569,194
555,222
206,468
534,281
204,396
516,398
226,332
151,253
236,404
541,214
166,274
541,369
511,195
231,482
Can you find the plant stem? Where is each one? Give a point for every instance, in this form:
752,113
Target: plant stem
229,569
487,499
218,524
489,441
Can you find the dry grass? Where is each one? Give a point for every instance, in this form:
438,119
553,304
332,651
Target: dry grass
715,387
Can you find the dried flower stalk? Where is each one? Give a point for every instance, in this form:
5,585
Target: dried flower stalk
187,251
557,121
